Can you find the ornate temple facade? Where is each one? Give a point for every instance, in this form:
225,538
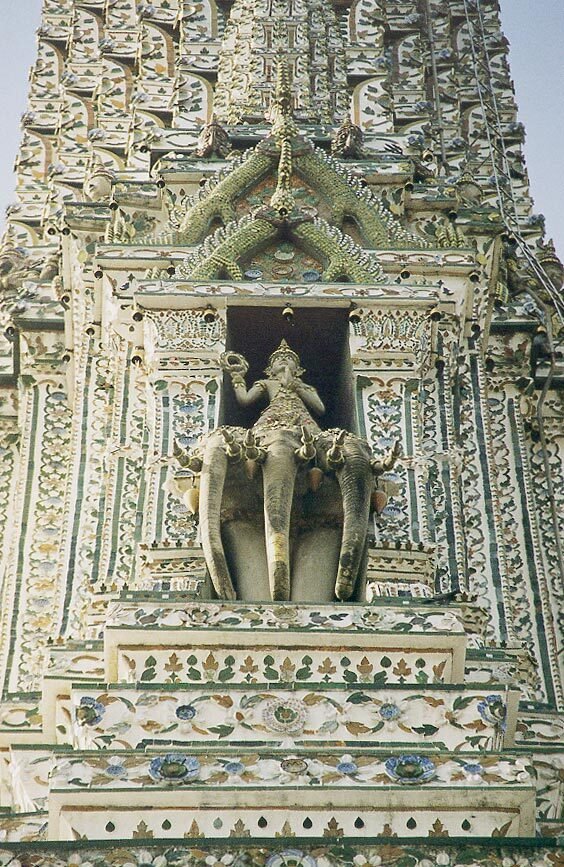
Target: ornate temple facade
281,445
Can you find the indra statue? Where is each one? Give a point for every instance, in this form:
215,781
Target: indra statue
289,398
284,506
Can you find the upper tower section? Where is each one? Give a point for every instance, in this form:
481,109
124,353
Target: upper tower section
306,33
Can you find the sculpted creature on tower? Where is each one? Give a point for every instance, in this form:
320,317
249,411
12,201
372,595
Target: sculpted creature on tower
284,505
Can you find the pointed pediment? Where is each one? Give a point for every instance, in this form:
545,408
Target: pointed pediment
319,185
263,247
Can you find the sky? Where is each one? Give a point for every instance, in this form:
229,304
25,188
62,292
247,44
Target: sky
535,29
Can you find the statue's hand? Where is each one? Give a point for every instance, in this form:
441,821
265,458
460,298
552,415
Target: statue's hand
235,365
288,377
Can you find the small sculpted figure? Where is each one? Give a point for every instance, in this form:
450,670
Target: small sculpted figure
284,506
348,141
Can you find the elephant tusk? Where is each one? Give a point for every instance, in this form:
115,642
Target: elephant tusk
253,450
233,449
388,461
307,451
336,454
187,460
192,499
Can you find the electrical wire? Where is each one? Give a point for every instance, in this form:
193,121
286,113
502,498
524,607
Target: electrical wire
511,222
505,192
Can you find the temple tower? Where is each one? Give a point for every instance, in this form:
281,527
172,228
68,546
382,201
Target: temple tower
281,450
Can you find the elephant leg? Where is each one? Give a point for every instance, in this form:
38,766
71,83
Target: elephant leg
356,481
314,565
279,475
246,555
315,554
214,469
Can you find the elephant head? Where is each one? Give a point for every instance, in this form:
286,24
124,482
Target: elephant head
285,504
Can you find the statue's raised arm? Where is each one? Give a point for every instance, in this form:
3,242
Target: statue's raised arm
236,366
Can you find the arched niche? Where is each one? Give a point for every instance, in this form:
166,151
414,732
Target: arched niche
157,53
365,25
77,117
199,21
46,73
87,34
34,156
114,89
194,101
320,336
371,109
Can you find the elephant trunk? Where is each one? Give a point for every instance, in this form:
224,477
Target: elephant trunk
212,480
279,475
355,480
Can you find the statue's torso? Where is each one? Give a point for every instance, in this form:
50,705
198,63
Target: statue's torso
285,410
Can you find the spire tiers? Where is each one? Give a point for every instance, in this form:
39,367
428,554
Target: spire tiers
306,34
253,613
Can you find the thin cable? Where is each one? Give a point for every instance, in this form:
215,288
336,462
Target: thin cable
509,216
435,73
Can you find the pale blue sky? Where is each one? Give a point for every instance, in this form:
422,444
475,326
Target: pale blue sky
535,29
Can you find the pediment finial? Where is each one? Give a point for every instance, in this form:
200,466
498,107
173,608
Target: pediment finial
281,109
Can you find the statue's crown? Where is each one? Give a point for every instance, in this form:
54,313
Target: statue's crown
284,352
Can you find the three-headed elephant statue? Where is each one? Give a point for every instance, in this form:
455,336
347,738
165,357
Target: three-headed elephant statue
284,506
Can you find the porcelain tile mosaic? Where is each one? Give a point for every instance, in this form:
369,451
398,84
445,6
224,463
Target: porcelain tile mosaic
281,439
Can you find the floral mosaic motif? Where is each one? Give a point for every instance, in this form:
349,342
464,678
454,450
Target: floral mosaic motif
89,712
389,853
133,717
183,330
389,712
367,768
175,767
187,415
115,507
284,716
291,858
46,420
378,617
384,413
410,769
493,711
186,712
284,262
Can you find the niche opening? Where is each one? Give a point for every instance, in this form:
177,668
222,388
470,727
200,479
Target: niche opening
318,335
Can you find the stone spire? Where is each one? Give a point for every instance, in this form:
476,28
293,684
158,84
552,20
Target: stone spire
306,34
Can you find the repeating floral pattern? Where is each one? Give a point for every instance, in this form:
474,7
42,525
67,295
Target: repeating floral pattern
249,769
388,853
128,718
47,417
376,618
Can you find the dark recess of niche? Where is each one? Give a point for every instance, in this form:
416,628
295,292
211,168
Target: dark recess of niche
319,336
